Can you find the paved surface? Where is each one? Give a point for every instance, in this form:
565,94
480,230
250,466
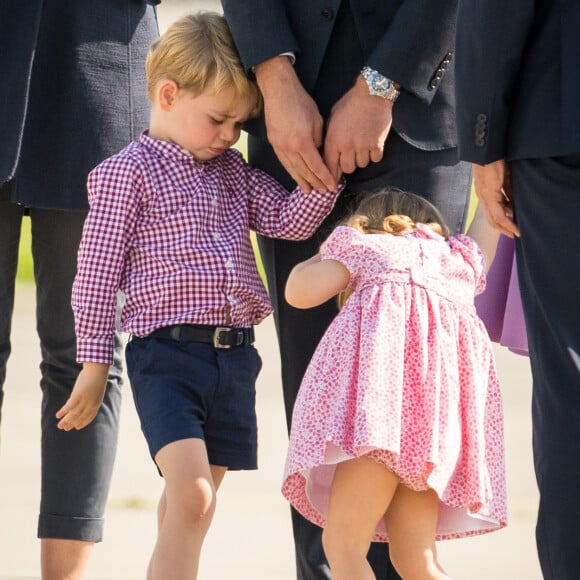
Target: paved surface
250,538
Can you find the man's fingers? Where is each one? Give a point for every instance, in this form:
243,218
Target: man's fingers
498,217
308,170
362,157
332,160
376,154
348,162
297,177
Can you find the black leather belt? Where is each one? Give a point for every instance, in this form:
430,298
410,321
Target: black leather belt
219,336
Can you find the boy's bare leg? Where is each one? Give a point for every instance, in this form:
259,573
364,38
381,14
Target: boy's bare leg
186,508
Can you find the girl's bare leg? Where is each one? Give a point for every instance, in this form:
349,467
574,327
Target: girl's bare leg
361,492
186,509
411,522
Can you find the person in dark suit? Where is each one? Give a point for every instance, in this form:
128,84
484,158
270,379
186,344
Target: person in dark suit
72,93
518,80
330,72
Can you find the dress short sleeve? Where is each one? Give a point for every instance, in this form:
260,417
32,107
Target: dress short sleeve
473,256
345,245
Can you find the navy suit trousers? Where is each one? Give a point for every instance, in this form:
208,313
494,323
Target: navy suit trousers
76,466
547,206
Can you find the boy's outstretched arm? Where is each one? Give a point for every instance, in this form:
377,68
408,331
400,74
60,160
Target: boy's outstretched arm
86,397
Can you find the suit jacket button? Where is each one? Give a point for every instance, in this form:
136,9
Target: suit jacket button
481,118
479,141
327,14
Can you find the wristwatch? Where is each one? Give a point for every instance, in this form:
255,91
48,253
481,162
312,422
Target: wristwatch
380,85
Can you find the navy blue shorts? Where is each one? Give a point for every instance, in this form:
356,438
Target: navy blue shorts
188,390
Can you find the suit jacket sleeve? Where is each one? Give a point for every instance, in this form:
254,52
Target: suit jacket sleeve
412,46
418,45
491,40
261,29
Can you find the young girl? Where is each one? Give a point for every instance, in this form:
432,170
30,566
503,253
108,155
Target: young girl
397,432
169,226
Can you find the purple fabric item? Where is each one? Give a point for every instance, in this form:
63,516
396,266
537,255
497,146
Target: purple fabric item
500,306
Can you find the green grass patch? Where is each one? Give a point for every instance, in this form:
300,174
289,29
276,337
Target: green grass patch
472,207
25,271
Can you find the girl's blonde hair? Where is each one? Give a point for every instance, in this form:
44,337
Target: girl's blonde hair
198,53
395,212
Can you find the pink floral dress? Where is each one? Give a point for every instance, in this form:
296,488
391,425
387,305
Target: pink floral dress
406,374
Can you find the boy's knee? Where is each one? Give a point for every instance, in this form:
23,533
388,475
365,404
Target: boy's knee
197,502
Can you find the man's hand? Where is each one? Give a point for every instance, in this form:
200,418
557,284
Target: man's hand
493,189
85,399
357,129
294,124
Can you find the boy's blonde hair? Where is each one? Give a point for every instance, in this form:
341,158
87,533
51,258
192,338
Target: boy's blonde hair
198,53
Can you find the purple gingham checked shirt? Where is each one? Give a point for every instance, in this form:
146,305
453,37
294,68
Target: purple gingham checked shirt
172,234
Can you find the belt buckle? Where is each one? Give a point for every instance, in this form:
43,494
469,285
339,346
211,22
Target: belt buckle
216,337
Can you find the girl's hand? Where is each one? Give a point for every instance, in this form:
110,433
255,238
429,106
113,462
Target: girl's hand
85,399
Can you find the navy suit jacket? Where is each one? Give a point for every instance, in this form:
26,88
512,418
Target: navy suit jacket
518,79
409,41
72,92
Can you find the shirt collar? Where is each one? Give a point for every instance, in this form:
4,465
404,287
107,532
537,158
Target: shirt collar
173,151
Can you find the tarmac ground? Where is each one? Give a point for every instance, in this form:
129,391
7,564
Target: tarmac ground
250,538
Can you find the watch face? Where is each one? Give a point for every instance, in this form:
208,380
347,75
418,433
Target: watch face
381,83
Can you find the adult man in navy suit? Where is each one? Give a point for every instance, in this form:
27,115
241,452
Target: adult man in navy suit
518,81
330,72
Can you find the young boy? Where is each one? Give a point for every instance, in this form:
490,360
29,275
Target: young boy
169,224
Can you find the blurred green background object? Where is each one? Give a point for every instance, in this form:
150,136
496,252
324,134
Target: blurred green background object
25,272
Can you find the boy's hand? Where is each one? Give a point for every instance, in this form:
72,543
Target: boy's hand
86,397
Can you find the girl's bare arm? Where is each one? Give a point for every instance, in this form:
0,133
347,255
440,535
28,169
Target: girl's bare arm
315,281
